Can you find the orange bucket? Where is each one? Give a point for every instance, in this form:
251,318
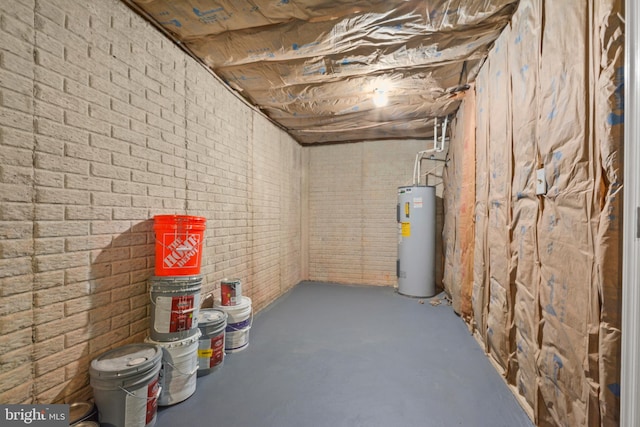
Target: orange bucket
179,241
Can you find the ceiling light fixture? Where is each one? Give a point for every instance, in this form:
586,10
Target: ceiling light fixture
380,98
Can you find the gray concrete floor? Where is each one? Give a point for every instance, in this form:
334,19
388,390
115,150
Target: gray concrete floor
332,355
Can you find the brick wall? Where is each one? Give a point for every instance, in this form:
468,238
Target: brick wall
103,124
353,235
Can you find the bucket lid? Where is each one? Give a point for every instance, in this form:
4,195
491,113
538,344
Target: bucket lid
245,302
176,280
126,360
174,217
186,221
211,316
230,281
78,411
180,343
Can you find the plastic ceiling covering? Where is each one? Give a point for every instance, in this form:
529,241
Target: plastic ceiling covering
320,67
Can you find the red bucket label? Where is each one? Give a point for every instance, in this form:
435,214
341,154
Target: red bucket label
230,292
152,400
180,250
217,355
141,404
211,352
181,311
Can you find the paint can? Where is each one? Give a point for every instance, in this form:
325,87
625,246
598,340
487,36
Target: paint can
179,369
175,302
82,411
238,324
230,291
125,384
212,323
86,424
179,240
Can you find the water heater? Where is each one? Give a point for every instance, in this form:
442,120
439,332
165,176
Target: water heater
416,215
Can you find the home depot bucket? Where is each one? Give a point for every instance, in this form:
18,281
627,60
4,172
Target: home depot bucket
179,241
230,291
175,302
212,323
125,384
179,369
238,324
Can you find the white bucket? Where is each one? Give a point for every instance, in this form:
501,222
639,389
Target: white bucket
125,384
179,368
212,323
175,302
238,324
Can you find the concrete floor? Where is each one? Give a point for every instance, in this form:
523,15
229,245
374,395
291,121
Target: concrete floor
331,355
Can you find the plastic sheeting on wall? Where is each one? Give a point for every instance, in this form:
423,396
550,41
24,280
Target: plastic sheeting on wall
314,66
546,296
608,119
459,192
480,271
565,233
524,48
499,206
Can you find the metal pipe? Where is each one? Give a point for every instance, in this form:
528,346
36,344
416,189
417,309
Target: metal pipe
444,131
435,133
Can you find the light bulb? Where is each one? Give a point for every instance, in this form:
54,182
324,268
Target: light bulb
380,98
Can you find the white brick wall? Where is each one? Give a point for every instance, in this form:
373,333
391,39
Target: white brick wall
352,209
103,124
17,194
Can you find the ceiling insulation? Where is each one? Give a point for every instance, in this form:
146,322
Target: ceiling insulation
338,71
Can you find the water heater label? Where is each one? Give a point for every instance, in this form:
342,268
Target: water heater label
417,203
406,229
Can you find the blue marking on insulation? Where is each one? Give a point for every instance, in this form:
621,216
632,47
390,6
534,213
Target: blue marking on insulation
554,101
198,12
614,119
549,308
172,22
557,365
615,389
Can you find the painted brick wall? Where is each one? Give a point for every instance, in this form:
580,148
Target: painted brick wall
353,235
103,124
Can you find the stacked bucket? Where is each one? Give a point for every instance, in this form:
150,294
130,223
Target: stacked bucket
125,384
238,310
175,303
212,324
129,382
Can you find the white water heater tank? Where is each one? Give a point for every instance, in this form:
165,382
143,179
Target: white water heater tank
416,215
